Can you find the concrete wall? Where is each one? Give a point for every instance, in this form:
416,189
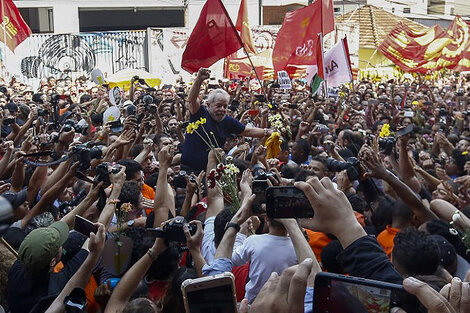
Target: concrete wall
66,19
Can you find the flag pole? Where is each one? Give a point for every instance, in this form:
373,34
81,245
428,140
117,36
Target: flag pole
4,41
244,49
325,81
254,69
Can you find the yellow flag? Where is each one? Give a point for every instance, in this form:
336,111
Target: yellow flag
244,28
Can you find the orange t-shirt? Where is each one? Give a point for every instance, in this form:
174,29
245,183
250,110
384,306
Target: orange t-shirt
148,193
92,305
317,242
385,239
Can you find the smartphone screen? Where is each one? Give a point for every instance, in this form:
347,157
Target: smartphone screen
259,189
210,294
345,294
84,226
287,202
217,299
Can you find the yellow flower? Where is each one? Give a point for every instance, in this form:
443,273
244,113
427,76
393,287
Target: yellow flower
190,128
126,207
385,131
203,120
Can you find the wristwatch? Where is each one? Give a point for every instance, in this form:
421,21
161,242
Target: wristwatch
130,223
234,225
265,131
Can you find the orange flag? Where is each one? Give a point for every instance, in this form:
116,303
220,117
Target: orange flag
244,28
13,27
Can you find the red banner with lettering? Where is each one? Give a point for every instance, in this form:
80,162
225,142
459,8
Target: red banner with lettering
429,50
14,28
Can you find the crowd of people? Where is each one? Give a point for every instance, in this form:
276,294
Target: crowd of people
384,165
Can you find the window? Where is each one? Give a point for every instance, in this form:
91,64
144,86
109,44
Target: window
452,12
337,10
40,20
406,10
393,10
109,19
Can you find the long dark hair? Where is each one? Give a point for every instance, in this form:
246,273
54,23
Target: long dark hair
173,300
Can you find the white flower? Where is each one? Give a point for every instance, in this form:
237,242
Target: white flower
231,169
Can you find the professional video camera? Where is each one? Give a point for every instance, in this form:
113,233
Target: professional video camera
352,167
66,206
173,231
102,172
386,145
84,155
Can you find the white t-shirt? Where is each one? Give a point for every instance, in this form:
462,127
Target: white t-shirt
208,244
266,254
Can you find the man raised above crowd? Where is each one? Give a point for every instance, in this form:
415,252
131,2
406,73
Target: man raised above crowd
195,150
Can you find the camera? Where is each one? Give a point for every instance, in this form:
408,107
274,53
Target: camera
179,181
102,172
42,112
4,90
261,98
387,144
66,206
173,231
147,99
352,167
84,155
234,105
260,174
460,92
81,129
55,97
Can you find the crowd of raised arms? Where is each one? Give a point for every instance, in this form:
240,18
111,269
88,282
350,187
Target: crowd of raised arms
385,166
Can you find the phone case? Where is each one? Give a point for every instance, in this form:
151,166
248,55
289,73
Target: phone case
208,282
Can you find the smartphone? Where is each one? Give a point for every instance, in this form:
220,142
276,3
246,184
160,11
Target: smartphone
323,129
336,293
210,294
9,121
405,131
408,114
287,202
259,189
84,226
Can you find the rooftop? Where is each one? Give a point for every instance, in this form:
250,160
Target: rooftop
375,24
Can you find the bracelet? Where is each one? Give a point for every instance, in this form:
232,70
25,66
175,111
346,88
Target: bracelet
152,255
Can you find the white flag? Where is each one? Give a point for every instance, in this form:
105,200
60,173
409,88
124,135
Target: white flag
337,66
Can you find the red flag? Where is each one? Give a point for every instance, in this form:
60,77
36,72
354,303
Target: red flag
243,27
13,25
403,101
295,43
214,37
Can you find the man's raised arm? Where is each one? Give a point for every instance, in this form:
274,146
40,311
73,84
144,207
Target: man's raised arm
193,98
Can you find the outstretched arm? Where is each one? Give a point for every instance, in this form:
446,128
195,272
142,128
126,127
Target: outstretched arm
193,98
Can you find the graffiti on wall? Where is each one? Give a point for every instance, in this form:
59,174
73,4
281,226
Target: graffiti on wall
58,55
42,56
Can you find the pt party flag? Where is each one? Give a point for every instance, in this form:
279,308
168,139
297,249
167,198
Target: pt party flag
243,27
295,43
214,37
14,29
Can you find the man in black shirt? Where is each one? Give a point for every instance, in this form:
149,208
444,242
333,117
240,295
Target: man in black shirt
195,149
31,279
